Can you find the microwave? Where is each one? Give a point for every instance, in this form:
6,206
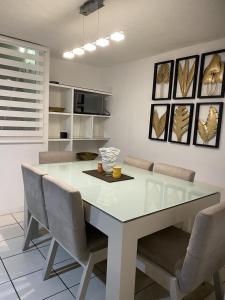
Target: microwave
89,103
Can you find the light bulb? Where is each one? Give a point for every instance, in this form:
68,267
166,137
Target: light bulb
102,42
68,55
22,50
78,51
117,36
89,47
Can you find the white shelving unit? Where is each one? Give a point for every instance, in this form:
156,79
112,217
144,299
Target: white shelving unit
85,132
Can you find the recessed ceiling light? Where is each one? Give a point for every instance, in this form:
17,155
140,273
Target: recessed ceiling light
89,47
68,55
78,51
102,42
117,36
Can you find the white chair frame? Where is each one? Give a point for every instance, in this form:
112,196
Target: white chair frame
88,264
170,282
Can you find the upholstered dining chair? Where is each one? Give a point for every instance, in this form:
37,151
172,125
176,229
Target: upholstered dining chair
84,243
181,262
138,162
174,171
34,197
49,157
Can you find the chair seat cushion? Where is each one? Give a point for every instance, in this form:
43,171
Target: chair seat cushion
96,240
166,248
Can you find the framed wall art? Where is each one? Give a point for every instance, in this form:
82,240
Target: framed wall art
185,79
159,121
181,123
208,121
212,75
163,79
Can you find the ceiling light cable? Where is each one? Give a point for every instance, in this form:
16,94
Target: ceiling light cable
91,46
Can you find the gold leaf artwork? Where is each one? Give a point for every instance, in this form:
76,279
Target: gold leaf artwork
185,77
207,130
163,74
158,123
180,121
213,74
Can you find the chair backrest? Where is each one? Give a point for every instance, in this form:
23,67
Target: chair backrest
66,216
206,249
174,171
33,190
138,162
49,157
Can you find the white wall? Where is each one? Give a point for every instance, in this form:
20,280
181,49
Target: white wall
12,155
131,85
72,73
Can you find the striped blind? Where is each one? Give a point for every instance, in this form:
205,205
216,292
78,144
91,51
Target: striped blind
22,91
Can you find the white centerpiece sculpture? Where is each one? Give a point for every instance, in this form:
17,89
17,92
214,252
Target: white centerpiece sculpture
109,157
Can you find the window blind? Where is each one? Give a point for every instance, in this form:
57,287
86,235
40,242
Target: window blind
22,91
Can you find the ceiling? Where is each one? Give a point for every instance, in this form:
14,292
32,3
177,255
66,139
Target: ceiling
151,26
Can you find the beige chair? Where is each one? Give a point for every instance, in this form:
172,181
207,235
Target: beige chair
49,157
174,171
84,243
181,262
138,162
33,190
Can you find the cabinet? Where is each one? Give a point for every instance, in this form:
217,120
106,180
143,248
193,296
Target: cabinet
84,132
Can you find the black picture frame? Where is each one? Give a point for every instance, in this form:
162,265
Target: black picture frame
171,63
191,111
201,73
164,139
194,84
218,132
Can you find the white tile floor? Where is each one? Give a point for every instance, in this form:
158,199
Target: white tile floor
21,272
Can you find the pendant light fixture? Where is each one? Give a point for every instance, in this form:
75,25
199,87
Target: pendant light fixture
87,8
90,47
117,36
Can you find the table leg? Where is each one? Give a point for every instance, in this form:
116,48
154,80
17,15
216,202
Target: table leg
121,265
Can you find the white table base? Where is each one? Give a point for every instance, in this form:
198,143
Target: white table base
123,238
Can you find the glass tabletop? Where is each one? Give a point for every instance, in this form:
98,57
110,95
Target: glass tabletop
147,193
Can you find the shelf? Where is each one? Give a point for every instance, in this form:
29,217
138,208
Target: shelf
60,114
60,86
89,115
86,132
79,89
91,139
59,140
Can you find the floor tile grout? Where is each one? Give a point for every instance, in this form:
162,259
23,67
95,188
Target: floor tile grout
11,238
3,226
10,279
10,213
58,294
29,250
27,274
54,271
15,219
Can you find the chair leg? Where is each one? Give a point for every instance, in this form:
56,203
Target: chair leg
50,259
29,234
85,278
174,291
219,291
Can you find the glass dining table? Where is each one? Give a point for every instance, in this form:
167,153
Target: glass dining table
128,210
